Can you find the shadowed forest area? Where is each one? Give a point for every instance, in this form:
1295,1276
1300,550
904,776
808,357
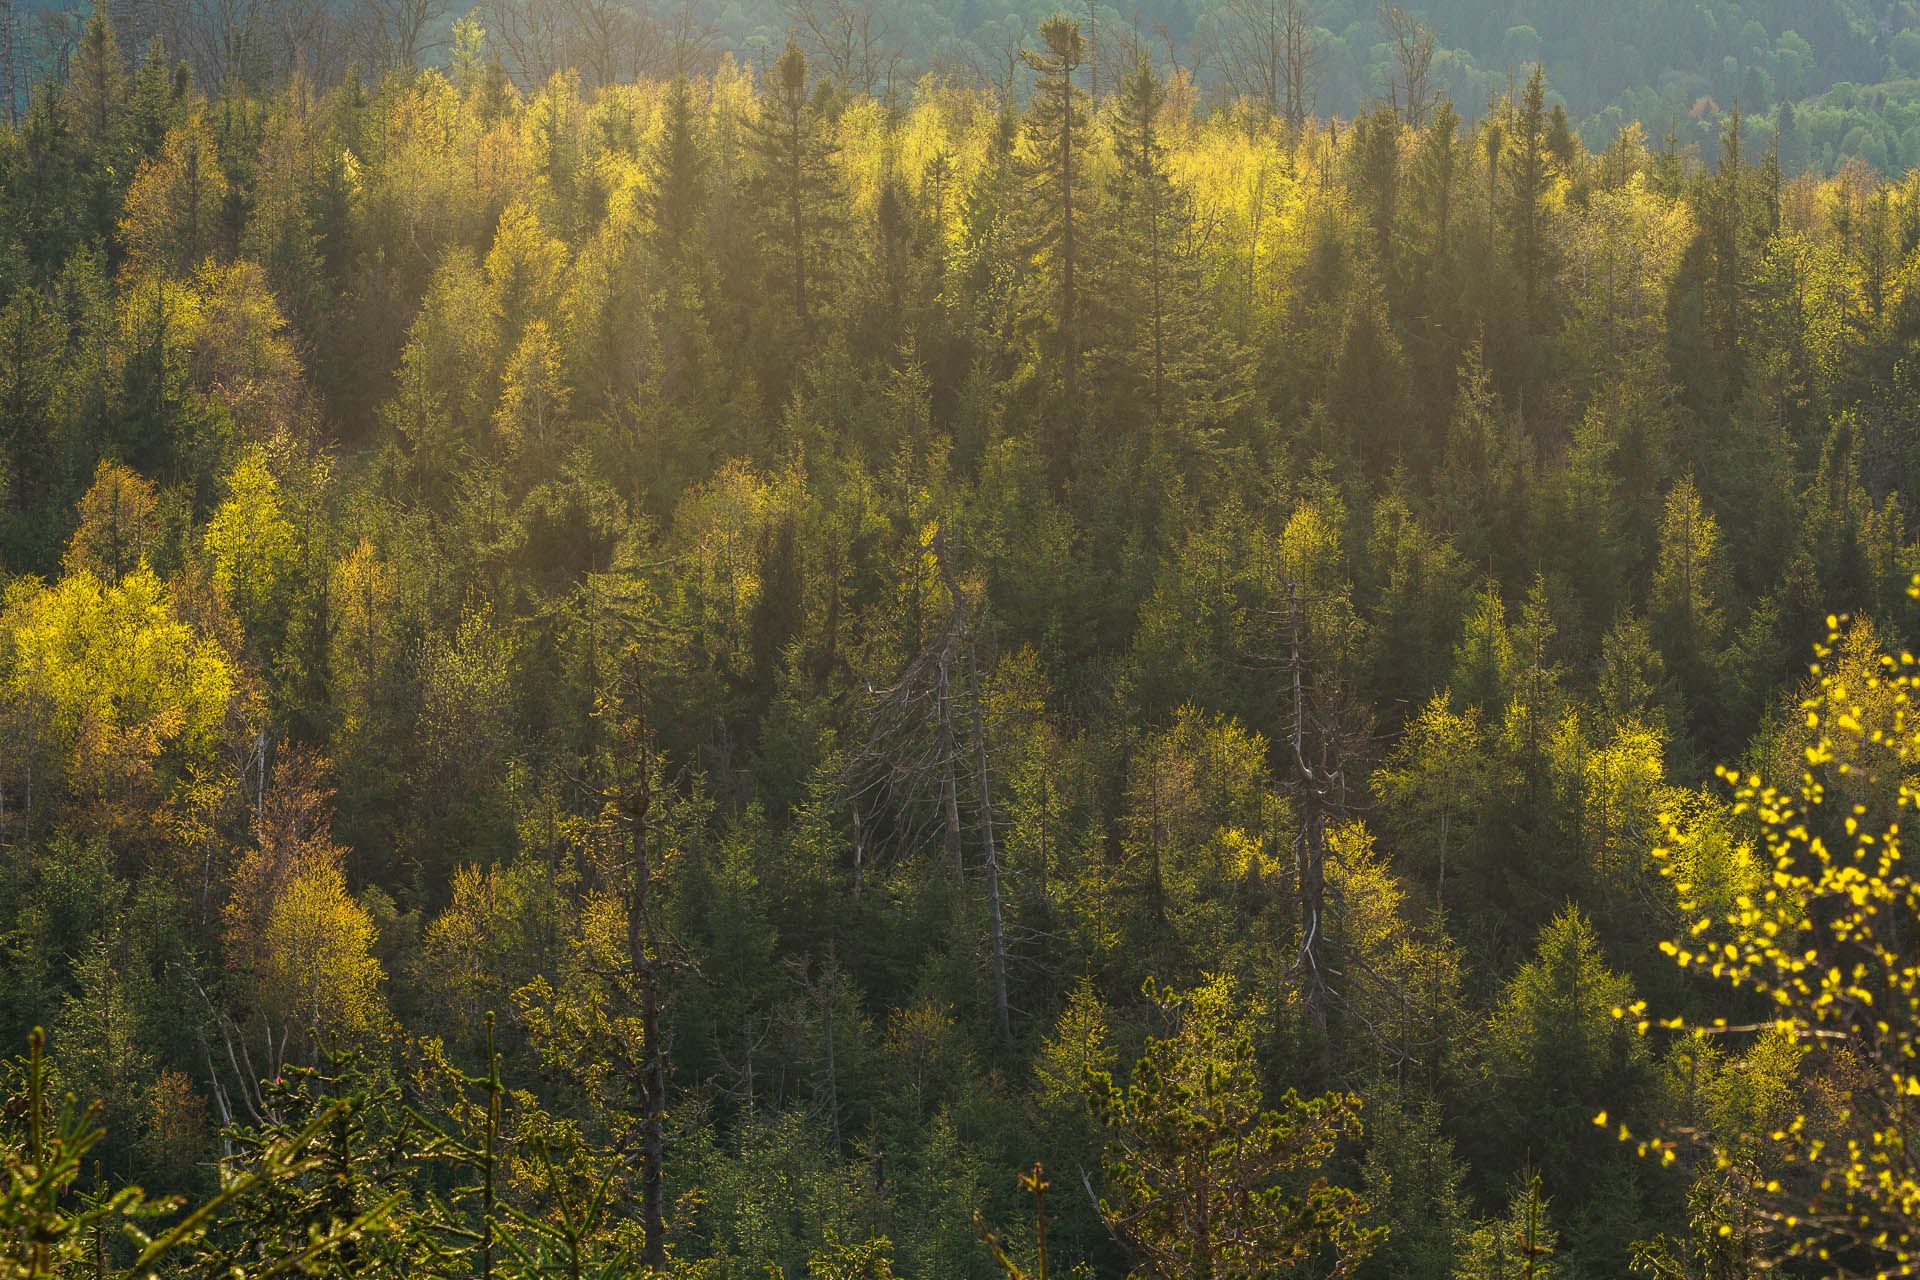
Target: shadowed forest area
607,673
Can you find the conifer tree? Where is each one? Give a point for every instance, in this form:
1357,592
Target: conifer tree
676,169
794,180
1527,178
1686,613
1056,129
1151,214
1197,1165
96,94
1377,161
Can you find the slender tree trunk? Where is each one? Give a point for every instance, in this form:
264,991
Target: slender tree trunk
1311,852
653,1076
1159,304
833,1071
798,217
859,853
1068,332
996,929
488,1156
949,797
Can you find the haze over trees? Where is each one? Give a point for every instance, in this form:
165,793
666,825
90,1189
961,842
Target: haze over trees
616,658
1839,78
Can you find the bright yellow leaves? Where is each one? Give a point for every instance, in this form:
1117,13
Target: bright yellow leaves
460,937
441,390
1192,1141
1080,1047
1689,577
1201,818
1402,984
1827,943
1621,258
724,523
1621,791
131,682
479,948
525,270
115,656
1311,558
1711,863
131,695
1433,786
242,352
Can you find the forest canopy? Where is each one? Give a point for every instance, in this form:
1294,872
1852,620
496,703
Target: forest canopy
690,664
1839,79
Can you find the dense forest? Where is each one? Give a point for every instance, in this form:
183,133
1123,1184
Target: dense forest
1840,79
730,673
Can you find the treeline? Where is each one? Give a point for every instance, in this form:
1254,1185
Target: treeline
1836,77
847,624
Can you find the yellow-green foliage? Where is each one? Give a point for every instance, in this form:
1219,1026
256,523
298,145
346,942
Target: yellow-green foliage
318,967
1621,259
1079,1048
250,539
1402,987
173,208
1620,793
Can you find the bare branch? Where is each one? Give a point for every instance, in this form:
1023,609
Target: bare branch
1270,50
1410,83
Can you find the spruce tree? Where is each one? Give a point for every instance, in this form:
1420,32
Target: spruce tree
676,168
794,181
1527,178
1056,129
1149,211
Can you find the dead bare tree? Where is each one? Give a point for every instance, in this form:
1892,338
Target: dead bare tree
397,35
996,923
1093,34
821,996
850,41
632,808
903,776
1410,81
244,1078
256,43
689,41
614,42
309,39
1301,54
1328,736
532,36
54,35
1270,50
999,70
912,768
9,75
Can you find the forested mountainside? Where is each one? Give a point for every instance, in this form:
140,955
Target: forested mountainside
1839,78
693,674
